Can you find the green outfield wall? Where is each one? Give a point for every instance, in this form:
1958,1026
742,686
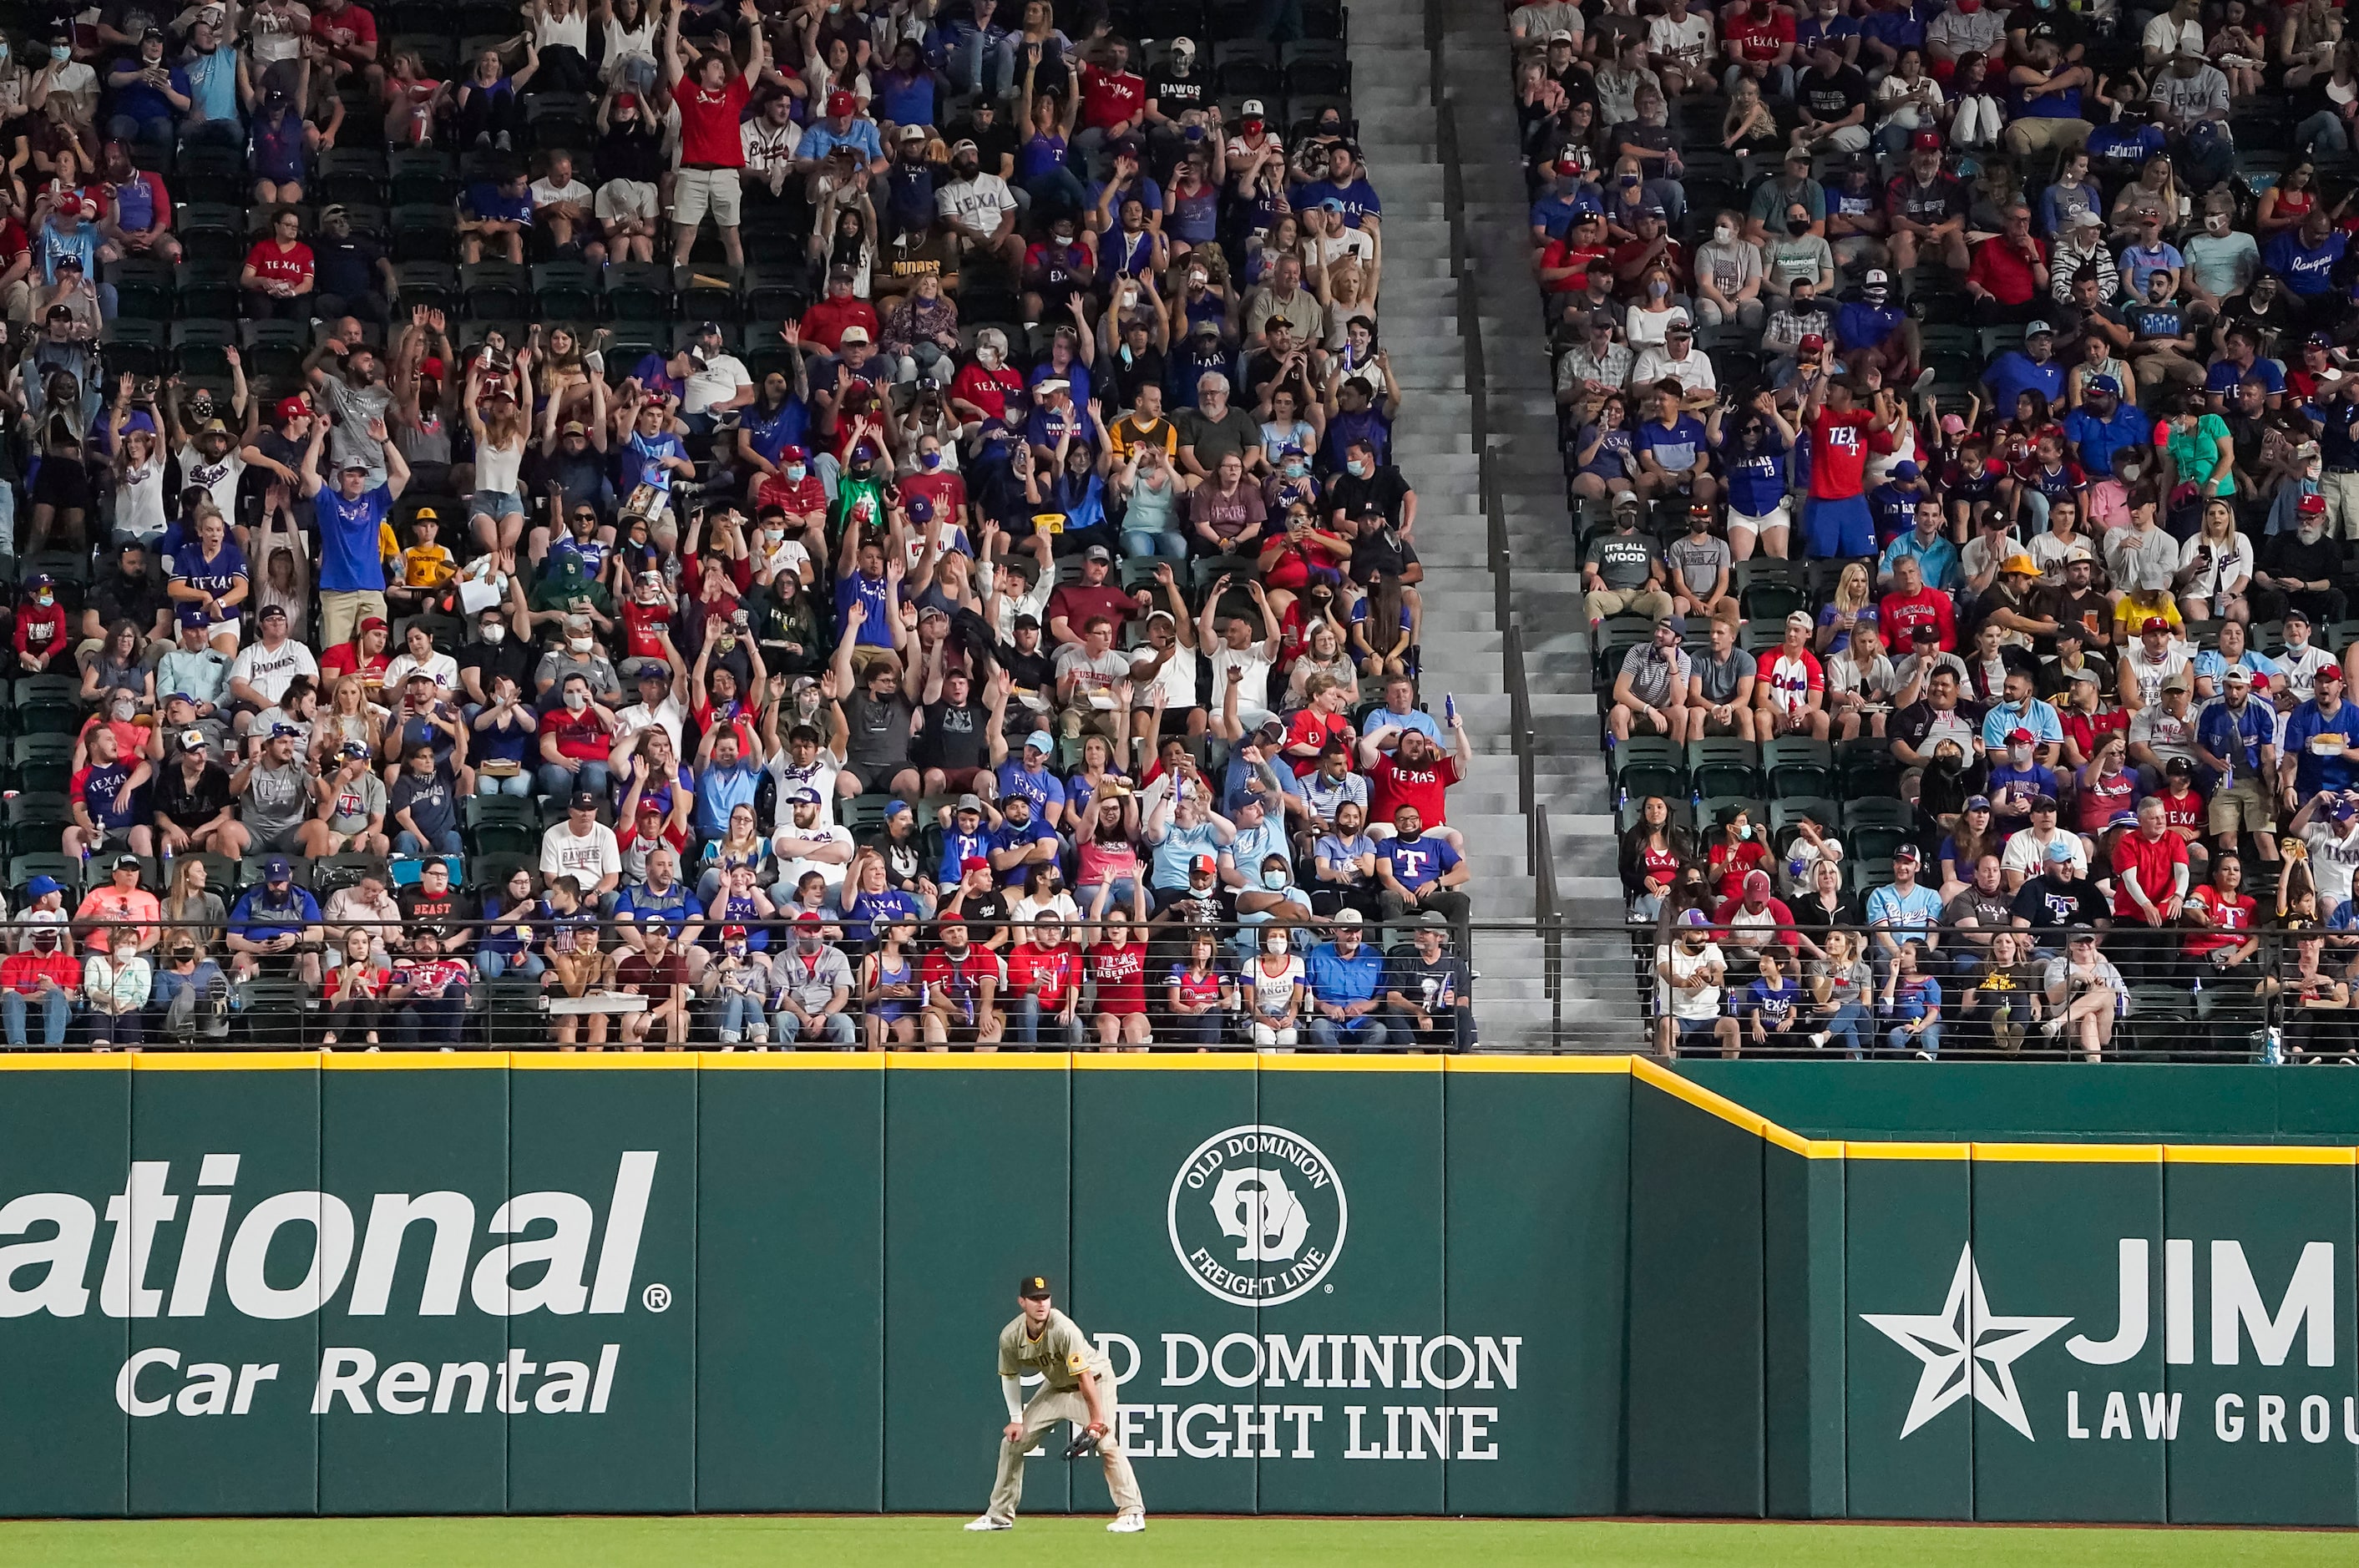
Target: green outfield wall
288,1284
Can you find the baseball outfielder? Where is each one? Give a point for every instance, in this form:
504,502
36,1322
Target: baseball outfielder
1077,1385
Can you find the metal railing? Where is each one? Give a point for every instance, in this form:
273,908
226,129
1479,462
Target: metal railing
1433,51
1598,983
1548,914
1499,550
247,996
2171,1003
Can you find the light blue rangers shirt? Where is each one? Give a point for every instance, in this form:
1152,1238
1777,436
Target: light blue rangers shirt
1903,916
2006,718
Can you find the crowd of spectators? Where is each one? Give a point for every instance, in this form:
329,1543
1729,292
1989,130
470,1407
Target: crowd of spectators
1960,405
810,524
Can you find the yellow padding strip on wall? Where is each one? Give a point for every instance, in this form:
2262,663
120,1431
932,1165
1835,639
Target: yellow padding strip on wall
1647,1071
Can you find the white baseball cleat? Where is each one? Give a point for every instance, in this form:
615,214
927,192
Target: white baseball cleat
987,1522
1127,1524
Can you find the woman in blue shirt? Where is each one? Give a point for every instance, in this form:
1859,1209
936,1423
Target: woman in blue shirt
1603,452
516,914
502,733
280,154
1852,606
1754,459
740,903
869,901
213,577
1040,166
485,109
907,91
1191,208
1132,249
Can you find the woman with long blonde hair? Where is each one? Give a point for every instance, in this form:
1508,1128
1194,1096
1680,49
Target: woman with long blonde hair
347,717
2216,566
1852,607
497,511
1347,287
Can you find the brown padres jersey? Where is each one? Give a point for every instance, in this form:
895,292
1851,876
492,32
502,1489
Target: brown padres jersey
1057,1355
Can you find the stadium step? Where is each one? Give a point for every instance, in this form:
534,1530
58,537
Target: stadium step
1599,1002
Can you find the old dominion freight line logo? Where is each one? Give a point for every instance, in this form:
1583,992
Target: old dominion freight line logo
1257,1215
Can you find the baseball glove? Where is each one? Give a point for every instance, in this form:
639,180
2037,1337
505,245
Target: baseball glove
1083,1445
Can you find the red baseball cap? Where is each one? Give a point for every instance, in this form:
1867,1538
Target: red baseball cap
842,103
1926,139
2310,505
973,862
292,409
2153,624
2018,737
1812,342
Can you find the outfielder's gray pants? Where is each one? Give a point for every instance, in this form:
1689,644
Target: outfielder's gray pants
1046,1411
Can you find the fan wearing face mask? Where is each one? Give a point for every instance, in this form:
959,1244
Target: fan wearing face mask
1270,993
41,978
115,981
41,640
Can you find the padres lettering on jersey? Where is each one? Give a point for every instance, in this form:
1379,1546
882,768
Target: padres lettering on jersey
1056,1358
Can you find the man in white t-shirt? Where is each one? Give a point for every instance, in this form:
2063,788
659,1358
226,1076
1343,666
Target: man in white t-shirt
2156,657
977,208
210,458
583,847
807,843
717,381
1679,47
259,675
656,705
770,138
2178,30
562,204
1692,972
2164,732
1675,360
2302,659
2333,843
1234,654
1327,227
2028,848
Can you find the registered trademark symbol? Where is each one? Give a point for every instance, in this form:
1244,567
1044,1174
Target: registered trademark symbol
1329,1289
655,1298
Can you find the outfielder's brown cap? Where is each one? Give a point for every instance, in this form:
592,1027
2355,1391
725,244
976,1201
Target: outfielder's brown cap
1033,1286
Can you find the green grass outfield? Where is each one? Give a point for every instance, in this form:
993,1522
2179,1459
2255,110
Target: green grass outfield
719,1542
